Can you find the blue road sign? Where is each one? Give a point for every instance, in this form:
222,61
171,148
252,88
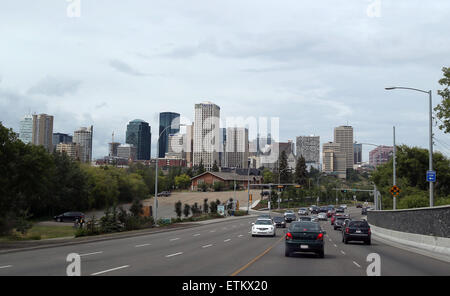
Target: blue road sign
431,176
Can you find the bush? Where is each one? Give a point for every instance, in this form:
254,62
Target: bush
413,201
240,213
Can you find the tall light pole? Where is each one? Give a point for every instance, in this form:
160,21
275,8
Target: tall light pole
430,152
155,203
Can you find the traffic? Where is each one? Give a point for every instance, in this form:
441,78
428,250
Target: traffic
304,232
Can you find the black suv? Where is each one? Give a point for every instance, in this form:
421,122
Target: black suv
69,217
356,231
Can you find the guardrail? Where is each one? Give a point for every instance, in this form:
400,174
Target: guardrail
433,221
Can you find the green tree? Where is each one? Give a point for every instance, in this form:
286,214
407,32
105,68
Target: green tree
183,181
215,167
186,210
178,209
201,168
300,171
443,109
283,170
268,176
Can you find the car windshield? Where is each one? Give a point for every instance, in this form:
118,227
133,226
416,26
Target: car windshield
305,219
263,222
358,224
304,226
341,218
277,219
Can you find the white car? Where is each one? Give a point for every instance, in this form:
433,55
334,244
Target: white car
288,212
322,216
344,206
264,227
314,218
303,211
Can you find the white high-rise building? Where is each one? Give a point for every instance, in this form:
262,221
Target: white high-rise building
206,135
83,137
26,129
237,147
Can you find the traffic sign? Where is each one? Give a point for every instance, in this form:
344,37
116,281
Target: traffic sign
395,190
431,176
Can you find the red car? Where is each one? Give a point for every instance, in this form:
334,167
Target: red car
333,218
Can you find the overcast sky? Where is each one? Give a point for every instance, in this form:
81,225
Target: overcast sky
313,64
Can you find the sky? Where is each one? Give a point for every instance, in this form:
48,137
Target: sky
314,65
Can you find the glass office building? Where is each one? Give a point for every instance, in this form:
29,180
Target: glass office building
169,124
139,134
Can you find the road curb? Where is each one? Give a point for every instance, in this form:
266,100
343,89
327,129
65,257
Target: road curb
436,247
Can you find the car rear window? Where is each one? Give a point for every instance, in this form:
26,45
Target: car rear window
304,226
263,222
341,218
358,224
278,219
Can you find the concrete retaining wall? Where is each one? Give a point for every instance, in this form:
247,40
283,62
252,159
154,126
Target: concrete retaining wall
433,222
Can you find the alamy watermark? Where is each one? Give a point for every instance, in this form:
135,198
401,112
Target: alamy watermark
73,8
374,9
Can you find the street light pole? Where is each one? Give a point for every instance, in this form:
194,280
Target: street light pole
430,152
393,173
155,203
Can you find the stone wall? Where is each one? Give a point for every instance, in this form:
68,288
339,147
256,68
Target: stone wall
426,221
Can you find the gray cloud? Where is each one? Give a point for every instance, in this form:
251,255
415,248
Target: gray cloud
52,86
125,68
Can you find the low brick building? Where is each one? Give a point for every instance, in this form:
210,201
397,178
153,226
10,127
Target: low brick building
225,177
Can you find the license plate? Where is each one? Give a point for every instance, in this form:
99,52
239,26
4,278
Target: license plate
303,246
358,231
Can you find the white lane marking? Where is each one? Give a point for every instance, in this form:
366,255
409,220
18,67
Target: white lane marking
207,246
330,239
224,228
212,231
143,245
343,252
249,232
6,266
174,239
197,234
81,255
356,264
109,270
227,240
176,254
240,235
335,245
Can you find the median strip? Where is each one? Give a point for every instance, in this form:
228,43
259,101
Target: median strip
109,270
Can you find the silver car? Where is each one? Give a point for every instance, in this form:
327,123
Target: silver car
322,216
303,211
314,218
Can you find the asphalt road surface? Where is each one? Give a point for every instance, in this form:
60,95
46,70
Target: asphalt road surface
224,248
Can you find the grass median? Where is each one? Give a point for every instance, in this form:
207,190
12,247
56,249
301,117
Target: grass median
38,232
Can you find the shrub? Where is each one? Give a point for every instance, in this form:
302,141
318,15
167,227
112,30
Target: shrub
413,201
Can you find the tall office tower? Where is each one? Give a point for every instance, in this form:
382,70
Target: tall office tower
237,147
334,160
61,138
83,137
43,131
73,150
309,148
26,129
287,147
380,155
127,151
344,136
139,134
169,124
357,153
189,145
206,134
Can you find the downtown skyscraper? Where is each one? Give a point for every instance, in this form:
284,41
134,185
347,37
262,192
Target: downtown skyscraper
83,138
43,131
26,129
343,135
206,135
169,124
139,134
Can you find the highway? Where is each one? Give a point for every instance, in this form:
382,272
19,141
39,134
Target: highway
218,249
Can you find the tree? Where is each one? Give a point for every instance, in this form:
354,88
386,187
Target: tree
183,181
300,171
205,206
201,168
215,167
186,210
443,109
178,209
268,176
283,169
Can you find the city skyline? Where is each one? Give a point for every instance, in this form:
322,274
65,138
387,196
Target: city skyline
249,68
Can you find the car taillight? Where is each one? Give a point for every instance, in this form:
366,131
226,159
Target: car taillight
288,236
320,236
368,231
347,230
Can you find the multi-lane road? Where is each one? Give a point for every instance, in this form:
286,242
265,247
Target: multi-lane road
223,248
